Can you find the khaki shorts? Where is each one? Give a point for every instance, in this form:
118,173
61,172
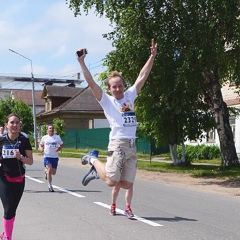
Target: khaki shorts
121,162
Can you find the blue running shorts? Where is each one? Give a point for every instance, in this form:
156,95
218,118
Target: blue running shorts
52,161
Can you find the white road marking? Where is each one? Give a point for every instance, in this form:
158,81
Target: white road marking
69,192
99,203
59,188
135,216
34,179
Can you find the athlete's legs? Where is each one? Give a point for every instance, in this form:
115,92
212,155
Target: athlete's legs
10,194
115,192
53,171
100,168
128,196
49,173
114,195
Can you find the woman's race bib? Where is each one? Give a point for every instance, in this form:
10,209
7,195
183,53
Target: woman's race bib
8,151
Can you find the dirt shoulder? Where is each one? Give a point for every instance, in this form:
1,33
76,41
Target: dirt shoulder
214,185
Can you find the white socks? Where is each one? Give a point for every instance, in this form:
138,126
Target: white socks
92,160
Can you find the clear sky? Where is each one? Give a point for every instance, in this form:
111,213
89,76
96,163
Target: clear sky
47,32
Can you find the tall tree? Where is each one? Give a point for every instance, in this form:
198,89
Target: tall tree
199,51
59,126
21,109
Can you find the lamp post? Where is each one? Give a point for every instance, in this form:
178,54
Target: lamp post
33,100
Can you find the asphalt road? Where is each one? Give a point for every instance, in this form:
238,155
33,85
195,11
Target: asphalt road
161,211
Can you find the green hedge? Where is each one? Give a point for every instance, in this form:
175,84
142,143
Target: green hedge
200,152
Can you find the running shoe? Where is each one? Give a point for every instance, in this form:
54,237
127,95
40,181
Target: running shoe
128,213
113,211
50,188
86,158
91,175
2,237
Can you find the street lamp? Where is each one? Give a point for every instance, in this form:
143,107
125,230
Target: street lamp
33,100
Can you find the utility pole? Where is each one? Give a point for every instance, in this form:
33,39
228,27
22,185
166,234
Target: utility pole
33,101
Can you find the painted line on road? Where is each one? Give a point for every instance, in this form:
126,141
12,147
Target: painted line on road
69,192
59,188
135,216
34,179
98,203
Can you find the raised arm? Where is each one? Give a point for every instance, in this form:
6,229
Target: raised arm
144,73
97,91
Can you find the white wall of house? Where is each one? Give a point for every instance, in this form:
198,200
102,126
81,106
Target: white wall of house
236,133
100,123
4,94
198,142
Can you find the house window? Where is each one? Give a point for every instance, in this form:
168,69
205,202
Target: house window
48,105
211,136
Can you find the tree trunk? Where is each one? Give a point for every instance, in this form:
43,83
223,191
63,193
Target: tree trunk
213,96
183,159
173,151
227,145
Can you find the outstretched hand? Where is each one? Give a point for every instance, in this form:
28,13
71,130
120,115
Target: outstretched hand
153,47
81,58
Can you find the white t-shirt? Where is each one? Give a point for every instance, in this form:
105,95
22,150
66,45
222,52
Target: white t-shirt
120,114
51,143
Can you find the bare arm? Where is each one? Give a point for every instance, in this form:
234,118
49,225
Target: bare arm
59,148
144,73
41,147
97,91
29,157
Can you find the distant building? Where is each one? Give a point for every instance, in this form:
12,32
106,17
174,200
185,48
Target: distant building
26,97
21,88
76,106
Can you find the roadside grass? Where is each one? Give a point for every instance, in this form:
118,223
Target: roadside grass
195,169
163,163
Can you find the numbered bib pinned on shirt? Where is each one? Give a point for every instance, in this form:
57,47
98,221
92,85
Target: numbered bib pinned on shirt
8,151
129,119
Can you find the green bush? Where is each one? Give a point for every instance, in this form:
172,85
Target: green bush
200,152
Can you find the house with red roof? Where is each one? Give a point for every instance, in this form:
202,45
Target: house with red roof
76,106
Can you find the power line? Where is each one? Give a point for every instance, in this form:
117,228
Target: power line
25,85
77,70
10,82
70,73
